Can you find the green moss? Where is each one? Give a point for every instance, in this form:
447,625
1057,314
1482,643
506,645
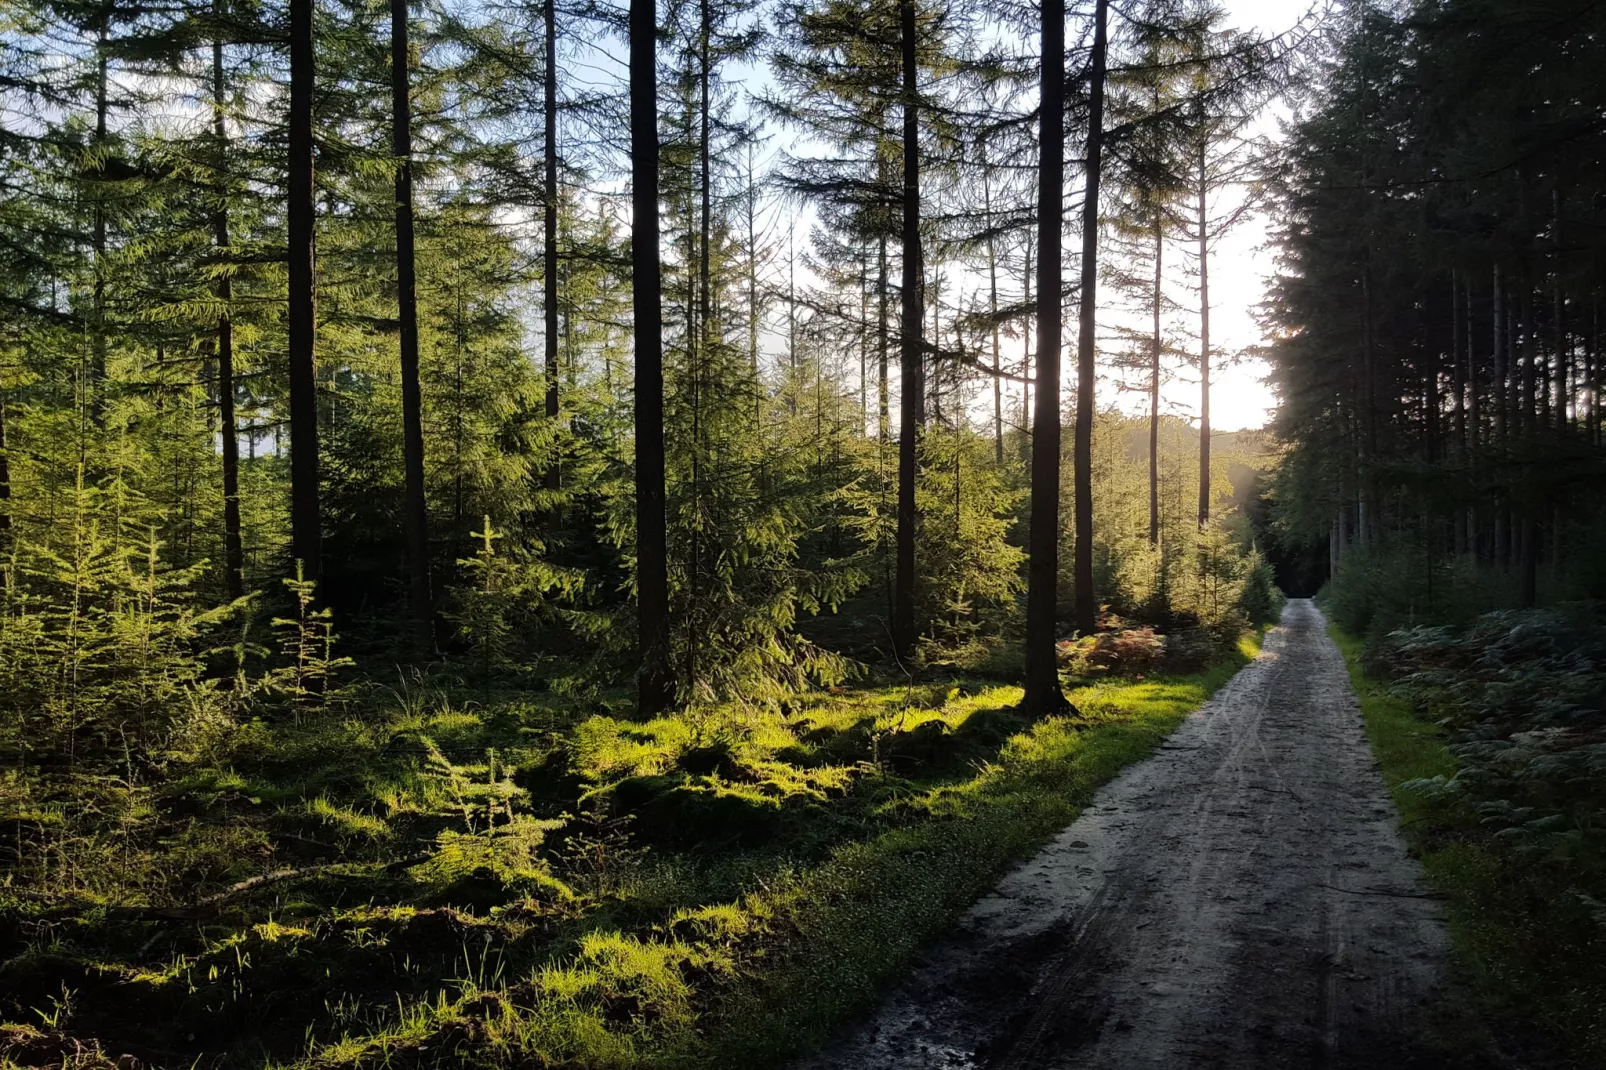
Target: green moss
742,881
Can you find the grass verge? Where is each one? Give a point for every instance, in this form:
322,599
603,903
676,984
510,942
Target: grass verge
1528,975
859,918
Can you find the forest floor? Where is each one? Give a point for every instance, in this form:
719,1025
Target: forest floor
429,878
1242,899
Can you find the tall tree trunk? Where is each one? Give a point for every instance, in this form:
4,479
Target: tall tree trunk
1474,415
1154,383
416,505
306,523
912,400
1502,412
1458,407
95,388
1026,350
1558,325
549,227
5,491
864,340
883,345
1086,605
1042,576
233,543
1204,335
992,308
705,227
753,306
655,685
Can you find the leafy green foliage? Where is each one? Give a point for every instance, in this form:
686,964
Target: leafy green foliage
1486,734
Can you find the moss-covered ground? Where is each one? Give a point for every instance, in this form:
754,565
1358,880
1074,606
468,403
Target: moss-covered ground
536,881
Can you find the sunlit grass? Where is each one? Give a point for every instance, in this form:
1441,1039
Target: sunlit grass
780,868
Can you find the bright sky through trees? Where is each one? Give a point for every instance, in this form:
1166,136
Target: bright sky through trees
1242,399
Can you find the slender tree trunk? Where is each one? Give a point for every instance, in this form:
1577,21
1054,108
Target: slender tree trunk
1204,336
864,341
1155,344
5,491
1473,412
1042,575
753,306
655,683
912,400
549,227
791,320
1502,414
992,308
306,522
1592,373
1365,520
1087,337
1026,350
97,370
1558,325
883,345
1458,408
233,543
416,505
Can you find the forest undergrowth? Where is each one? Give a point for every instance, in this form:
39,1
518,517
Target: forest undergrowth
1490,736
428,877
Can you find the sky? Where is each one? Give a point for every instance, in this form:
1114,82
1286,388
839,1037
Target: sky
1239,271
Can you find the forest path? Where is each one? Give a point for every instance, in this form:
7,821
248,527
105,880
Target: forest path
1242,899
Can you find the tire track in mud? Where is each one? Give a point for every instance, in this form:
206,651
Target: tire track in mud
1242,899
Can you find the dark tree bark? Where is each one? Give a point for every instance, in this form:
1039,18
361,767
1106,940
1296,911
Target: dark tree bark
911,404
1026,350
1042,577
655,684
5,485
306,522
1154,384
1087,337
1204,339
883,345
554,472
233,543
416,517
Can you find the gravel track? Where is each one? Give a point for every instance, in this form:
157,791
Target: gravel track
1242,899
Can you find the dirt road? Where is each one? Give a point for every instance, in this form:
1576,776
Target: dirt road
1240,900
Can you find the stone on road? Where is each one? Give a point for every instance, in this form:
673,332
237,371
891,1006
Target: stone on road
1242,899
